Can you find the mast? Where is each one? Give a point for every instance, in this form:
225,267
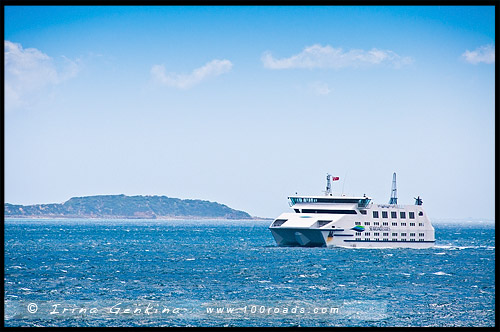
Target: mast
394,193
329,178
328,190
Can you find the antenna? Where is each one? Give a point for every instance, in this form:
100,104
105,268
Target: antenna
394,192
343,183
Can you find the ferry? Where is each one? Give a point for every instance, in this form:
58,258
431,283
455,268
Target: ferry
352,222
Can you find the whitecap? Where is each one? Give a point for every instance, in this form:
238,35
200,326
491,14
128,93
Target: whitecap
439,253
435,305
440,273
190,259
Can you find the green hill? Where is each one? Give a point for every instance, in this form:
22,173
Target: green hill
121,206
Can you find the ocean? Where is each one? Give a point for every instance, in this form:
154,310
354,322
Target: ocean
82,272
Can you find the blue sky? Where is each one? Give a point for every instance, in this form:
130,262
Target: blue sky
247,105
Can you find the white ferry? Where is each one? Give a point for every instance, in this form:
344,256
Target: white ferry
353,222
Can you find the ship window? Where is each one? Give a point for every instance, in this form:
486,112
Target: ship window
394,234
403,234
296,210
358,239
385,240
394,215
384,214
420,234
385,234
329,211
322,223
394,224
394,239
420,213
402,215
375,214
376,234
420,223
367,239
376,223
358,233
279,222
357,223
367,223
367,234
332,200
403,224
412,234
411,215
412,240
377,239
363,211
421,239
385,224
412,224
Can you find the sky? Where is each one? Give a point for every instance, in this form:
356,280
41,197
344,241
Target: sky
248,105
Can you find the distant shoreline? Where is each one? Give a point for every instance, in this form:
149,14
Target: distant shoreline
180,218
128,207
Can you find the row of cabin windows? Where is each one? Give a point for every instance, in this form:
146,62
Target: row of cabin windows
386,234
394,214
376,223
386,240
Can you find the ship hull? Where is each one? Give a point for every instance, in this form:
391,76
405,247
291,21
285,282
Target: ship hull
370,230
319,238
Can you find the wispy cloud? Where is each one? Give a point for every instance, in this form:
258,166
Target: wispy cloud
184,81
485,53
319,88
317,56
28,71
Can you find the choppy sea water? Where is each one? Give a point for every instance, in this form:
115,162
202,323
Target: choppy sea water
231,273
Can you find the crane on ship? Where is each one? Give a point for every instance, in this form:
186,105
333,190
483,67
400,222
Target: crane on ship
394,191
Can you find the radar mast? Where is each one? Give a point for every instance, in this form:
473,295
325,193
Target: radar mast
328,191
329,178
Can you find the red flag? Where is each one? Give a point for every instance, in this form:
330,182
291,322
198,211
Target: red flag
335,178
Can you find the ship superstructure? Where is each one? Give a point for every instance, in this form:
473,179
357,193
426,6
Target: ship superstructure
353,222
